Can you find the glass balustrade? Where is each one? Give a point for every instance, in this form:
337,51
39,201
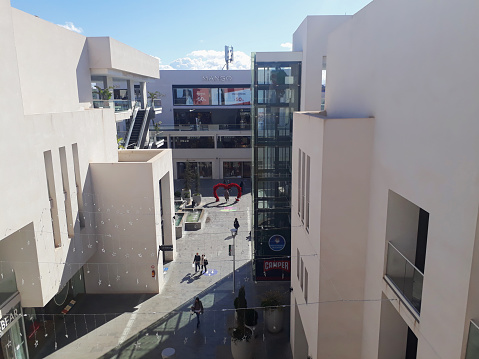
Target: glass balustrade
118,105
472,351
405,276
206,127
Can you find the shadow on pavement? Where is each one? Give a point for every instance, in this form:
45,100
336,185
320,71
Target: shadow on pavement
178,328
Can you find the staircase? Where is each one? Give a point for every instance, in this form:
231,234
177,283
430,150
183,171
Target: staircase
135,132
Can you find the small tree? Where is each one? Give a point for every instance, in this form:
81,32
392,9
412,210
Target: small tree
196,176
103,94
187,176
153,96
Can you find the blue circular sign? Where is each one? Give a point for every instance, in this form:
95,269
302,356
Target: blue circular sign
277,243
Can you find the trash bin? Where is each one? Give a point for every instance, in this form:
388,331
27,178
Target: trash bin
168,353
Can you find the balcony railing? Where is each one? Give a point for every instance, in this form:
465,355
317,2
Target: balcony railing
472,351
207,127
405,276
118,105
156,103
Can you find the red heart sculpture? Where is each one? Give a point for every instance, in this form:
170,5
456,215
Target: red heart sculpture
228,187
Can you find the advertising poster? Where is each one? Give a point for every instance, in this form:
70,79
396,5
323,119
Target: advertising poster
201,96
237,96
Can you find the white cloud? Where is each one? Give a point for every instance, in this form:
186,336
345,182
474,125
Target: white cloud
209,60
287,45
69,26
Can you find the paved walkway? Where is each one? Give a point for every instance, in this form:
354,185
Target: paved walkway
164,320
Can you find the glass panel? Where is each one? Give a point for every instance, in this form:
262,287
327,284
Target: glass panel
234,142
193,142
405,276
205,169
472,351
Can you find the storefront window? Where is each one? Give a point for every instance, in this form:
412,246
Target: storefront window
234,142
237,169
12,334
204,169
215,96
193,142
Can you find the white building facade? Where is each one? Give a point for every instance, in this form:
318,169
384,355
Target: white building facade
206,120
385,188
72,203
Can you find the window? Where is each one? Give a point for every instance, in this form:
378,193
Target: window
308,173
297,262
193,142
299,183
303,184
205,169
306,285
301,278
79,190
66,192
236,169
52,197
234,142
214,96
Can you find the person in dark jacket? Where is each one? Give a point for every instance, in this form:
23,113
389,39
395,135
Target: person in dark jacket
196,261
236,224
197,308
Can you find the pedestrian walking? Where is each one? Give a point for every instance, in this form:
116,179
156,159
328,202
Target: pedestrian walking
241,186
202,262
227,195
205,263
196,261
236,224
197,308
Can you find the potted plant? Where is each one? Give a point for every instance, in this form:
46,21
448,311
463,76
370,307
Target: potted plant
186,191
156,126
242,345
103,94
197,194
273,302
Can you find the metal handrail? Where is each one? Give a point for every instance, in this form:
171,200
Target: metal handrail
143,125
402,255
132,123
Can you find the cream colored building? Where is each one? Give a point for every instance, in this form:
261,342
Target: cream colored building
75,210
385,187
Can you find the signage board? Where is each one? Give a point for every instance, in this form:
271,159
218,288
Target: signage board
166,247
277,242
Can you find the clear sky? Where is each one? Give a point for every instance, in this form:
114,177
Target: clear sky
190,34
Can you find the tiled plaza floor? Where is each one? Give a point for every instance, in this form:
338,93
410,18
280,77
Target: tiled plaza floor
141,326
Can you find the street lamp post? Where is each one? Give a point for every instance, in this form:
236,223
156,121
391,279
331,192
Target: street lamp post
234,231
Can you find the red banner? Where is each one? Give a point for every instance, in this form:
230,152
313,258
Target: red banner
201,96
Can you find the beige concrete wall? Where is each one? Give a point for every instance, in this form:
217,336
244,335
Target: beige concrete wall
424,154
106,52
334,249
128,221
53,66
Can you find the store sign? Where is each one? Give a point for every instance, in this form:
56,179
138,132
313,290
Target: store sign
277,243
9,318
217,78
276,264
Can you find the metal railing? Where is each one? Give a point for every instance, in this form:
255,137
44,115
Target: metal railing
472,351
405,276
207,127
117,105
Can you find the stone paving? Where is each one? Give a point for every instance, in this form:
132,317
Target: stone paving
164,320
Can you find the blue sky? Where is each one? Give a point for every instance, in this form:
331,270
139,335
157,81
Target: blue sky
190,34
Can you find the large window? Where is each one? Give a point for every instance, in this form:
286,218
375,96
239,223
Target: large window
215,96
193,142
205,169
234,142
237,169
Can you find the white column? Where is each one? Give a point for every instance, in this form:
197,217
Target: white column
131,91
144,100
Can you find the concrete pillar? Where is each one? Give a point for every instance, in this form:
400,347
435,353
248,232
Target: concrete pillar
143,94
131,92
